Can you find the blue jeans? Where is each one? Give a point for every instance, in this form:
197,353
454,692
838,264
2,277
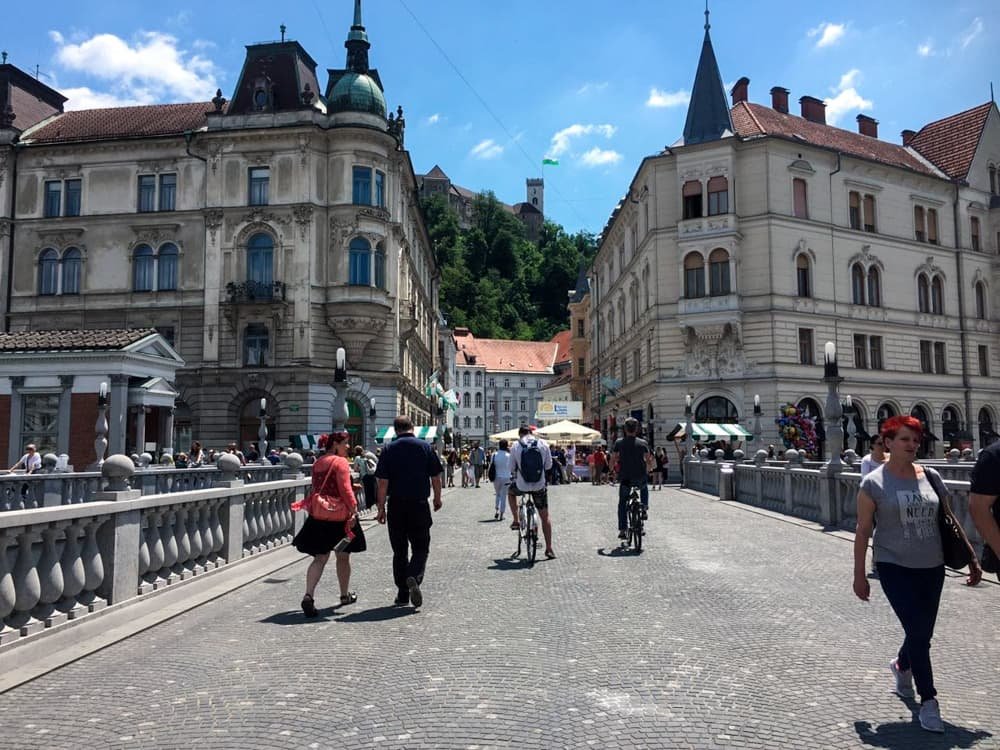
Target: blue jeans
914,594
624,488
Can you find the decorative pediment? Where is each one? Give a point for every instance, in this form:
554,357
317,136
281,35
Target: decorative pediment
801,248
154,234
866,258
801,166
62,237
929,268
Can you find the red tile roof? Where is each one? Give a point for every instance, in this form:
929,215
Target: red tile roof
951,142
755,120
121,122
87,340
559,380
562,341
504,355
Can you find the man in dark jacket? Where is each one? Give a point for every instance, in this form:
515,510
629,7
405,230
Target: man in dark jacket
407,471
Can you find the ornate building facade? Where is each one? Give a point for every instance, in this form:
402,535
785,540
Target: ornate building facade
256,234
741,249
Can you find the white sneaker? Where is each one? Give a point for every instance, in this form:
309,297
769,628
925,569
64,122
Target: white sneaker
930,716
904,681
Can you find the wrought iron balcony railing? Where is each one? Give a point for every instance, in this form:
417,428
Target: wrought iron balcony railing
255,291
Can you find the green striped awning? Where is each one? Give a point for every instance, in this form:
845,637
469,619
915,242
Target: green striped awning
708,430
304,442
388,434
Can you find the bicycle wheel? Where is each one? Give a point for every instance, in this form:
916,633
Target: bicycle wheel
531,538
637,533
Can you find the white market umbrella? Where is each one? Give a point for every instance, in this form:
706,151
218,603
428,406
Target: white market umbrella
568,432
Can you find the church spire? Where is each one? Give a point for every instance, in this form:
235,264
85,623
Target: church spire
708,113
357,43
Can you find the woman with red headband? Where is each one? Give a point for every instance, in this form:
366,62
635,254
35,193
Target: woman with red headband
331,476
903,498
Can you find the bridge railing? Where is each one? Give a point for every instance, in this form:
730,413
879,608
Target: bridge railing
62,562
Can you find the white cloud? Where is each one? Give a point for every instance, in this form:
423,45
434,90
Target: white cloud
658,98
974,30
597,157
434,119
847,98
561,140
926,49
151,68
828,33
592,87
488,149
83,97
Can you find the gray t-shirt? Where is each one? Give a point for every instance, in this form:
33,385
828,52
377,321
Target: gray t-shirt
906,528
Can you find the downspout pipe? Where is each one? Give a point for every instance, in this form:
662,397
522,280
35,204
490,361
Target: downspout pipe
15,150
960,279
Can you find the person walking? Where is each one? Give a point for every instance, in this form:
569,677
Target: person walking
478,458
530,460
901,500
501,466
874,459
408,471
331,476
450,463
630,454
984,489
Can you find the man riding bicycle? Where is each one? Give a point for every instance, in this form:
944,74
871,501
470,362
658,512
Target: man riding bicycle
530,459
630,453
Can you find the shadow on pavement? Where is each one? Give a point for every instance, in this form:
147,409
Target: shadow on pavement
902,735
378,614
295,617
509,563
617,551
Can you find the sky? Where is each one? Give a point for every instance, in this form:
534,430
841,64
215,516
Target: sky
491,88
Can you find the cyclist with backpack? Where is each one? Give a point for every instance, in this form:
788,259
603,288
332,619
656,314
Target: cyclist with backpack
630,455
530,459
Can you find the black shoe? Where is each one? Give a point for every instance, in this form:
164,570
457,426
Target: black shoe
416,598
401,600
623,534
309,607
645,514
496,516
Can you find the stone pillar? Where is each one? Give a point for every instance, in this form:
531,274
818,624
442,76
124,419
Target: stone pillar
117,421
168,432
65,409
16,419
140,428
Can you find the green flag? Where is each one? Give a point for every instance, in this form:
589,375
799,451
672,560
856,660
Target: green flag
551,162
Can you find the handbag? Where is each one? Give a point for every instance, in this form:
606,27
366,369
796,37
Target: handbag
954,545
326,507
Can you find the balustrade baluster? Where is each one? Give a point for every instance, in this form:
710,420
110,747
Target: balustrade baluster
155,543
267,506
218,535
27,587
142,587
183,542
253,527
169,545
93,567
7,593
193,534
74,576
205,529
50,578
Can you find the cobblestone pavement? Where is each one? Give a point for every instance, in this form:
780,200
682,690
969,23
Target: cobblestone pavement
732,629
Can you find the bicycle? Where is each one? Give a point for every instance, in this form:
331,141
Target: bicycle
527,518
636,521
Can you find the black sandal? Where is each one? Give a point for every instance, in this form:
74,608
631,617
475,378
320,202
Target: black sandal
309,606
349,598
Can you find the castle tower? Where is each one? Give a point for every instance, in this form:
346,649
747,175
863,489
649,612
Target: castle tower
536,193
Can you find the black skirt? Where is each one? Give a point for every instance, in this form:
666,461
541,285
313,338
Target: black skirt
319,537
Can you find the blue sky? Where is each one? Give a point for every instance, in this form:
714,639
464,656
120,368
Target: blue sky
490,88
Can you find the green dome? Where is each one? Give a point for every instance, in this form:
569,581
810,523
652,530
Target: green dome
356,92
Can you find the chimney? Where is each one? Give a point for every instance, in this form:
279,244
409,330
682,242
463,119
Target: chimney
813,109
908,136
779,99
740,91
868,126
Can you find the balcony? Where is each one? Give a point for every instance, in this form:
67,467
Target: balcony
255,292
708,316
707,226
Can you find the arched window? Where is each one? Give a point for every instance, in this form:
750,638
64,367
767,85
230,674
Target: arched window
937,296
981,300
479,422
256,345
803,275
987,433
466,379
950,425
718,273
857,284
716,409
611,326
467,422
621,316
694,276
360,262
71,265
634,303
692,199
260,266
380,266
466,400
718,196
166,267
874,287
48,272
479,400
645,287
923,294
142,269
479,379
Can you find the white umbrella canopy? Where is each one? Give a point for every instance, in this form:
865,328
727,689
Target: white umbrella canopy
509,435
568,432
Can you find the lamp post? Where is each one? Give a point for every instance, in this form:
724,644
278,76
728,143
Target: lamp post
756,419
101,428
849,414
688,427
834,410
262,435
340,392
371,420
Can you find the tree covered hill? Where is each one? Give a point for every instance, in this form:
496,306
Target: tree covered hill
494,280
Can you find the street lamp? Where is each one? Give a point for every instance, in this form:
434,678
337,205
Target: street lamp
101,428
340,392
849,413
371,420
756,418
834,410
688,427
262,435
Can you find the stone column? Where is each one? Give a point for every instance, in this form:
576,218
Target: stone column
65,409
140,428
117,422
168,432
16,419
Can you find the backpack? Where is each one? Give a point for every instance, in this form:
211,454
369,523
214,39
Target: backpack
532,466
370,465
492,473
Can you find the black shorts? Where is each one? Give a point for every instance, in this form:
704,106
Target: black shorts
541,497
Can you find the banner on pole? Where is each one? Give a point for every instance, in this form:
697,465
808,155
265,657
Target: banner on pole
556,410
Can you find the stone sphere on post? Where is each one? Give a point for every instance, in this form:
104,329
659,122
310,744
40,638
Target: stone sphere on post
293,461
791,455
719,454
760,457
49,462
145,459
850,457
117,469
739,455
228,465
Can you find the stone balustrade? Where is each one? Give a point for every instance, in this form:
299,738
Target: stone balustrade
63,562
811,493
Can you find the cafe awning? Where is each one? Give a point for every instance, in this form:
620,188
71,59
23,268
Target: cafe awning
424,432
709,430
305,442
